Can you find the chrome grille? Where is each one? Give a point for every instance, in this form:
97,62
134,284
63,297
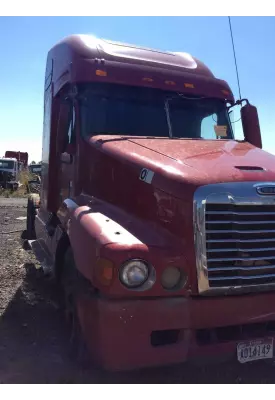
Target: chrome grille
234,236
240,244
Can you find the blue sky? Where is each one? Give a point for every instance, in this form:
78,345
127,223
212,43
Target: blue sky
25,41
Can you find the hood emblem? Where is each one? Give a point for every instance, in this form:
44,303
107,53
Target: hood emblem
267,190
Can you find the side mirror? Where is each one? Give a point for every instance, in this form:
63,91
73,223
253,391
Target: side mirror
251,125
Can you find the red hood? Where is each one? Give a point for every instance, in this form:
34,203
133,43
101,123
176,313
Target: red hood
202,161
208,154
152,212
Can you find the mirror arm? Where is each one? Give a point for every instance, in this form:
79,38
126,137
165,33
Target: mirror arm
238,103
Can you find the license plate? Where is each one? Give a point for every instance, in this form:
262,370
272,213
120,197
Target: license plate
255,350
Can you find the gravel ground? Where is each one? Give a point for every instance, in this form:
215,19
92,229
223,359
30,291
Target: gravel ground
34,338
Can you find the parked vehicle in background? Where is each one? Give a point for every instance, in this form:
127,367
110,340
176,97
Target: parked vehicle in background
35,180
35,169
157,223
21,157
9,173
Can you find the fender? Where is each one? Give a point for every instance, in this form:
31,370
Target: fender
99,233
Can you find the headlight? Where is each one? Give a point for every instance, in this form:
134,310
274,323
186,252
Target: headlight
134,273
172,278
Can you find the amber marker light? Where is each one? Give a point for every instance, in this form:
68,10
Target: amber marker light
189,85
104,271
99,72
171,83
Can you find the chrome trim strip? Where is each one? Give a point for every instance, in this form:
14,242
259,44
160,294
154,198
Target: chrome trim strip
241,258
67,204
234,278
235,193
269,186
234,268
235,231
240,268
239,213
240,222
225,250
240,240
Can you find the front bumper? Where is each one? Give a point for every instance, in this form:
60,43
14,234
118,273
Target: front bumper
128,334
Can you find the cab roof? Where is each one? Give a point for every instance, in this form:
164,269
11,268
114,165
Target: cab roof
8,159
76,57
91,47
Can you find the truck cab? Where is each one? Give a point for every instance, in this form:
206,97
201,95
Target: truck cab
9,170
21,157
156,222
35,169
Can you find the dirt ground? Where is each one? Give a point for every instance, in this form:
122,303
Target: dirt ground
34,338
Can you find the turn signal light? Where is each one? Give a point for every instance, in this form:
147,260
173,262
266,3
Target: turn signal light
104,271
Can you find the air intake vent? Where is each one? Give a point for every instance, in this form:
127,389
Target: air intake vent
249,168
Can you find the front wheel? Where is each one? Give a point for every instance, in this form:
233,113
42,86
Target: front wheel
69,283
78,347
30,220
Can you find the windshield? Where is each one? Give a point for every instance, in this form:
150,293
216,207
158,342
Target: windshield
6,164
123,110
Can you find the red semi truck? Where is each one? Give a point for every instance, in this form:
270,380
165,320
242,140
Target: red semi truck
20,156
158,225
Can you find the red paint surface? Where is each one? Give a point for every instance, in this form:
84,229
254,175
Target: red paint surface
118,332
154,221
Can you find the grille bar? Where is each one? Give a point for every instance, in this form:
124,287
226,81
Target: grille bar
241,222
241,258
234,268
238,213
240,277
244,231
240,250
240,240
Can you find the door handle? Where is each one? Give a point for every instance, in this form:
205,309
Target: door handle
66,158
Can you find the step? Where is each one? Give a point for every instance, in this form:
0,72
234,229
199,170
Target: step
45,260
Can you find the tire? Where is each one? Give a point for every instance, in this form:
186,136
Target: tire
30,220
78,348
